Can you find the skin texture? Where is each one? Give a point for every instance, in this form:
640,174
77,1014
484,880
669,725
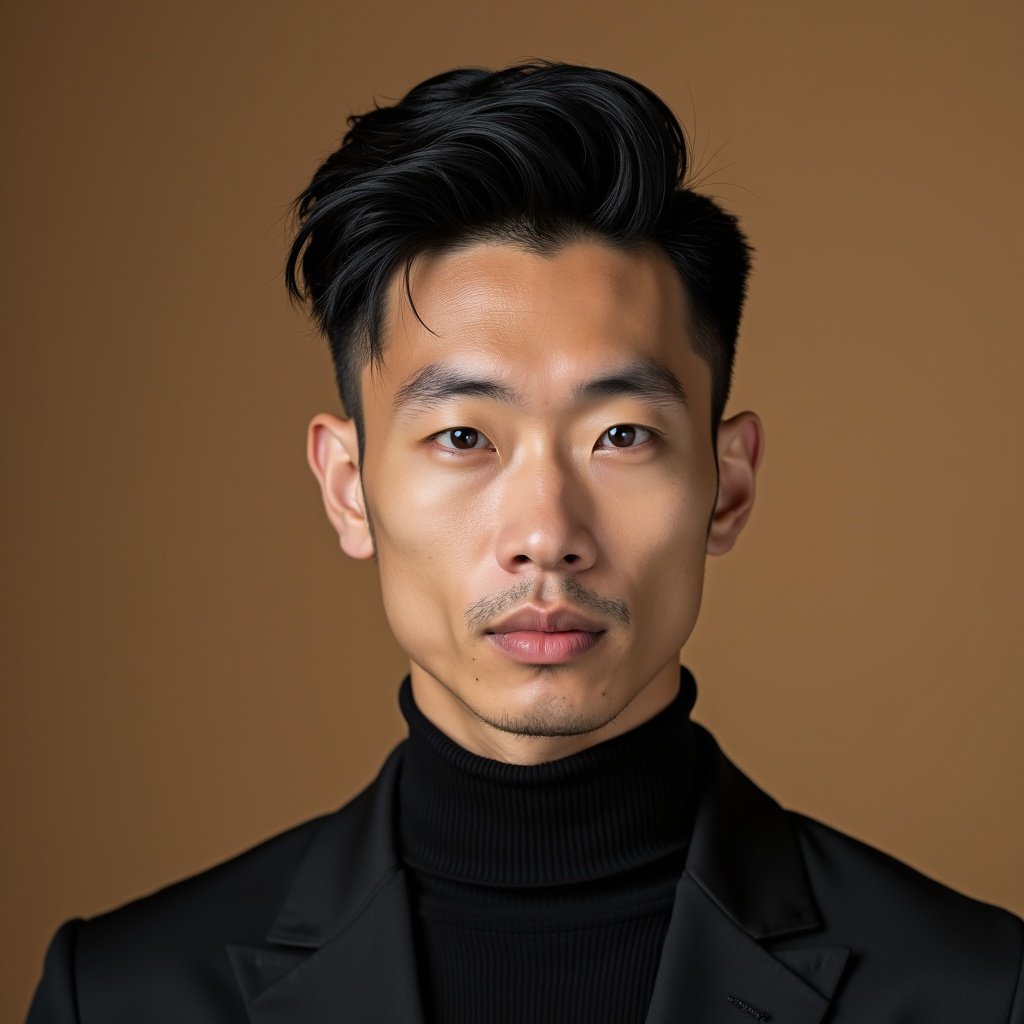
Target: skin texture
601,502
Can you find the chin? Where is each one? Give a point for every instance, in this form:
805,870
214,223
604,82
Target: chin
547,709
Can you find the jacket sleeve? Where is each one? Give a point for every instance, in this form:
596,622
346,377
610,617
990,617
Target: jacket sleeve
1017,1009
55,1001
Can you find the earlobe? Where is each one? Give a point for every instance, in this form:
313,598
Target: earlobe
332,450
740,450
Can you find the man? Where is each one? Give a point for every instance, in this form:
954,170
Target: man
533,324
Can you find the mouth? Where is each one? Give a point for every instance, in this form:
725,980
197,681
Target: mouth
546,637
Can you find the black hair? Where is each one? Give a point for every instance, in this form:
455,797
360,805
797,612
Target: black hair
538,154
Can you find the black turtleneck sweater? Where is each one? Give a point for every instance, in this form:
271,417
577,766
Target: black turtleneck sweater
542,893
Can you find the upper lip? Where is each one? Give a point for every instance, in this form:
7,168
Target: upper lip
546,620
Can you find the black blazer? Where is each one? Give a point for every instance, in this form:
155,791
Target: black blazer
777,918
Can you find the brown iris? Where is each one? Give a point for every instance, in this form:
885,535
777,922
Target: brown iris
464,437
622,436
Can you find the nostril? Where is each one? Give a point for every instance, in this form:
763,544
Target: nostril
572,558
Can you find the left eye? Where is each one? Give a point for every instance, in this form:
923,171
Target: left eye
462,439
624,435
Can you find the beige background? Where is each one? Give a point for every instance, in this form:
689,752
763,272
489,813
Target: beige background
190,664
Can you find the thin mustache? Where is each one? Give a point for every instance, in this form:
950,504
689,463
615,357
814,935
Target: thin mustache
487,609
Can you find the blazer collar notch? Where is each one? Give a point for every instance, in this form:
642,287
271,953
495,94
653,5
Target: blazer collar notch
745,852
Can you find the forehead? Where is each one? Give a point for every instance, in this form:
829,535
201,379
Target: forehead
543,321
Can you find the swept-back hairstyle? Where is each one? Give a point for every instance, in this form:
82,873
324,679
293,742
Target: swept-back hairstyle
538,154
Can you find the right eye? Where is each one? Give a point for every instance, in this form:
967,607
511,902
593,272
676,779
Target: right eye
462,439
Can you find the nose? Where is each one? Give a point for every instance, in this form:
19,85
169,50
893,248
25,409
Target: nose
546,516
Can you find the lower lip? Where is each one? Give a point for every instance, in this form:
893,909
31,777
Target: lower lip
534,647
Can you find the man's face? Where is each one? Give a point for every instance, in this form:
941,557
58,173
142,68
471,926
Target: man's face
540,477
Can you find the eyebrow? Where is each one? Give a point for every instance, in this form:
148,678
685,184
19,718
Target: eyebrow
437,383
642,377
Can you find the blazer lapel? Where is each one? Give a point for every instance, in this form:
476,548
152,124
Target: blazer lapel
341,948
744,887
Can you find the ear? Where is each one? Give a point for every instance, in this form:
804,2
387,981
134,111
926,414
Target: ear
332,450
740,449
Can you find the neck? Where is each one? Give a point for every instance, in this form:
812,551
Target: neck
461,723
607,810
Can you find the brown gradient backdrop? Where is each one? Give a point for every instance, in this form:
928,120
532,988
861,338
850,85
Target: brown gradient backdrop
190,664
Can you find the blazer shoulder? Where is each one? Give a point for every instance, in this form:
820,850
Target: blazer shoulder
235,899
106,967
174,939
880,905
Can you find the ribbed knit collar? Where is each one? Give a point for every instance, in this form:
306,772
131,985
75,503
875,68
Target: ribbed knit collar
611,808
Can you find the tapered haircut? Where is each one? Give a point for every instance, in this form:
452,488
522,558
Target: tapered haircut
539,155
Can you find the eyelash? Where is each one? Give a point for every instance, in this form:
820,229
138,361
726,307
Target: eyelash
433,439
652,435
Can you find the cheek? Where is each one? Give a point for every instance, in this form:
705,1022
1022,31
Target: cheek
658,543
660,514
429,539
429,524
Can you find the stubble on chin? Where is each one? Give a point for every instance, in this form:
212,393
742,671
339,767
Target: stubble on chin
551,719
